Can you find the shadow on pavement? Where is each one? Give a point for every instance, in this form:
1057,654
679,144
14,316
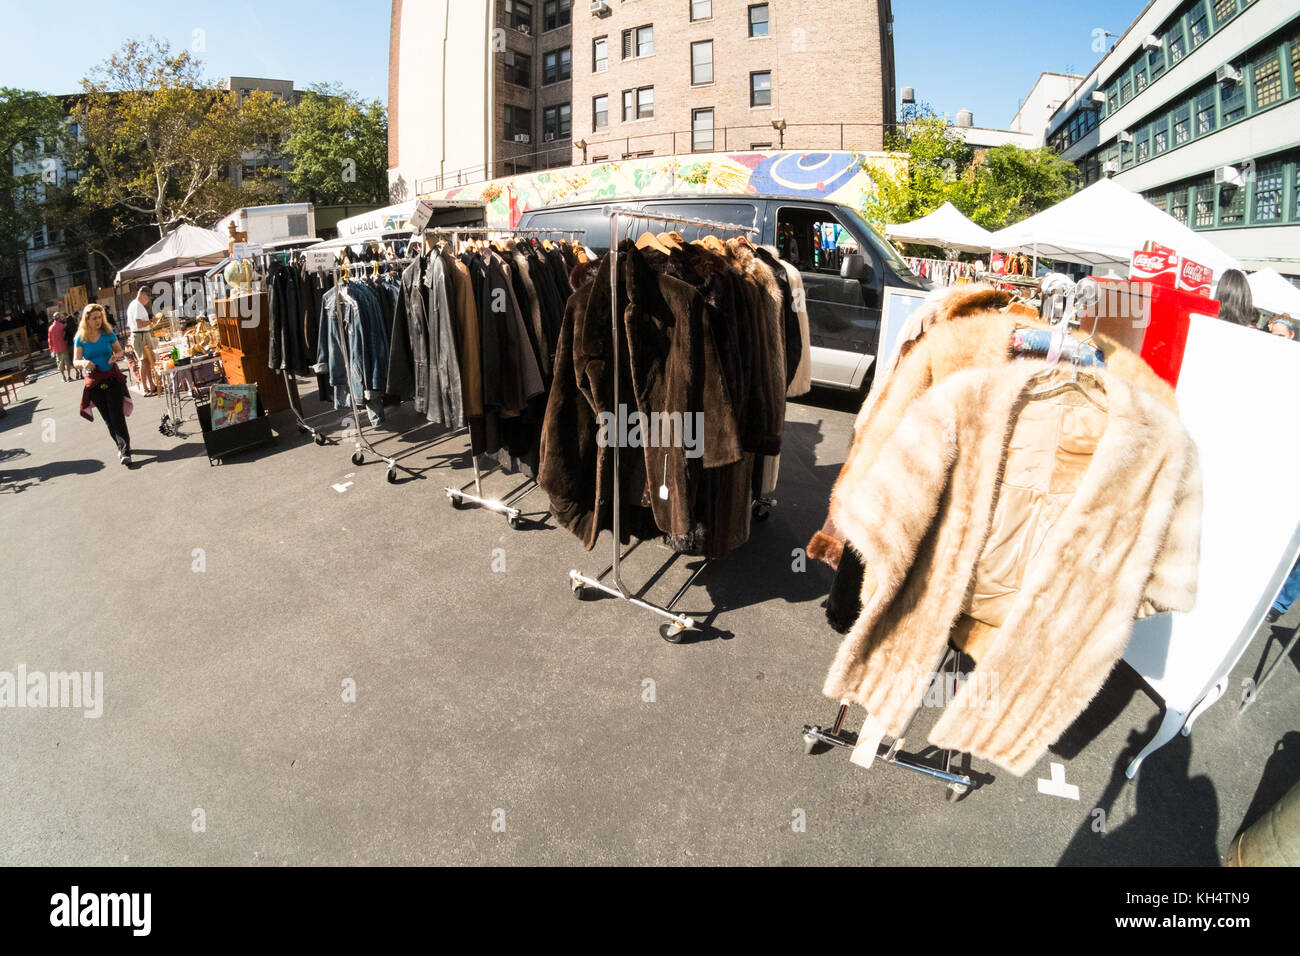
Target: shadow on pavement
15,480
1281,773
1176,819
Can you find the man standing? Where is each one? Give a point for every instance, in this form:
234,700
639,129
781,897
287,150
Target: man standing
137,319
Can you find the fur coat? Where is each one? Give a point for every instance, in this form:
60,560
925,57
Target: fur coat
955,329
920,514
670,364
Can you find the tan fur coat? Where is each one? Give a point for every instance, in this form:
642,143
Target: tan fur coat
956,329
920,515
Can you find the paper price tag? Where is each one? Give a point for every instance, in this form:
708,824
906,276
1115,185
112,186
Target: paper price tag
423,213
320,260
246,250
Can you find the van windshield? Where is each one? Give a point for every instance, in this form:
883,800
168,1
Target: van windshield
893,260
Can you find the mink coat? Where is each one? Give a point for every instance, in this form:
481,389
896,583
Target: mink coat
669,364
920,515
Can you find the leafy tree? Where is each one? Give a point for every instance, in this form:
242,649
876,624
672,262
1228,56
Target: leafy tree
995,187
158,139
933,172
28,121
1009,184
338,147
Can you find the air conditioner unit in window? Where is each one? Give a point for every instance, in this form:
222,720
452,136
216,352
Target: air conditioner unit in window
1110,167
1228,73
1229,175
548,137
1125,136
1099,97
1152,42
523,28
522,138
600,8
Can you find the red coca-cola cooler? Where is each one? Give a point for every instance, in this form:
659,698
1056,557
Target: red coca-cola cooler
1150,311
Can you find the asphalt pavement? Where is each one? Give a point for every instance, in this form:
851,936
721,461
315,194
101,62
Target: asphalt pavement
306,664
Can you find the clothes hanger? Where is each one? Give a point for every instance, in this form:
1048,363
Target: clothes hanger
648,240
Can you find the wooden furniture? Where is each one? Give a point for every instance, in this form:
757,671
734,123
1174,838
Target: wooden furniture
244,328
16,360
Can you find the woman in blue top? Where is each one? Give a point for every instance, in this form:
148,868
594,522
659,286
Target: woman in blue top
97,353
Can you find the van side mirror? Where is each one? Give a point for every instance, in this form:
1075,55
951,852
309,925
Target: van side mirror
855,266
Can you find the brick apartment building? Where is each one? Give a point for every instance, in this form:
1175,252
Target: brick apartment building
484,88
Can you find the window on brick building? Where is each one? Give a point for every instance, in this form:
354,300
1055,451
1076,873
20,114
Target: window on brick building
600,54
519,68
760,88
518,122
701,9
702,130
758,20
638,41
600,112
556,13
557,122
557,65
639,103
701,62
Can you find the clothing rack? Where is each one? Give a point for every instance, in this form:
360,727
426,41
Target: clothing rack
460,497
814,737
362,442
673,629
291,390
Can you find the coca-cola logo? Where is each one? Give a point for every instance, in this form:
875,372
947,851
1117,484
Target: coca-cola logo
1196,274
1151,261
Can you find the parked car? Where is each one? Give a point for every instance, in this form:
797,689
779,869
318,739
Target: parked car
845,265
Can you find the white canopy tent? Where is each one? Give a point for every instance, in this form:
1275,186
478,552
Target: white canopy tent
945,227
185,246
1272,293
1102,226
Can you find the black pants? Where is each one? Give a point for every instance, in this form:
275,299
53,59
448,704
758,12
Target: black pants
108,399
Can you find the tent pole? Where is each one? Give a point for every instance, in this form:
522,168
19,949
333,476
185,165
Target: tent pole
1034,274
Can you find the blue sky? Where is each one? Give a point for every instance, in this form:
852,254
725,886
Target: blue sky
979,56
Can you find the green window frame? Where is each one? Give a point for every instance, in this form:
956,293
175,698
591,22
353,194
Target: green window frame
1232,101
1270,192
1125,88
1206,200
1176,41
1267,84
1198,25
1232,205
1224,10
1182,124
1205,112
1142,145
1179,204
1160,135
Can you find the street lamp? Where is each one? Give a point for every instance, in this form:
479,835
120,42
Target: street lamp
779,125
582,145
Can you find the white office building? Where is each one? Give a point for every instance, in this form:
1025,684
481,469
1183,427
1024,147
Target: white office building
1197,107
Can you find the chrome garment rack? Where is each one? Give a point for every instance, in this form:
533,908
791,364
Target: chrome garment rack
815,738
462,497
674,629
363,445
304,421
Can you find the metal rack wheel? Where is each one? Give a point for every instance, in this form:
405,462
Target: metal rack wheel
391,477
955,791
358,458
761,510
318,438
672,632
457,501
810,744
579,592
514,521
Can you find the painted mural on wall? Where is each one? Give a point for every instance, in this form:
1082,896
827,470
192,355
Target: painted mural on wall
831,176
